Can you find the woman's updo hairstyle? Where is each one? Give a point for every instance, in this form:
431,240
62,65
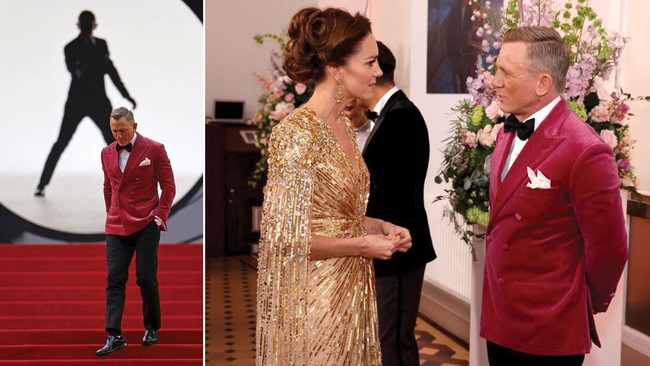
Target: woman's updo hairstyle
318,38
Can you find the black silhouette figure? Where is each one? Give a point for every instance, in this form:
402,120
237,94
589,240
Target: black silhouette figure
87,60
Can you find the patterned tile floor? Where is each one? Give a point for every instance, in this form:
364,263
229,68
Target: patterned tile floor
230,320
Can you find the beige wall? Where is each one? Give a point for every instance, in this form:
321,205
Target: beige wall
231,56
634,78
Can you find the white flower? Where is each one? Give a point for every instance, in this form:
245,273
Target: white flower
485,137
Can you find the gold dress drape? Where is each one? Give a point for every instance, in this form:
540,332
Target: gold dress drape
319,312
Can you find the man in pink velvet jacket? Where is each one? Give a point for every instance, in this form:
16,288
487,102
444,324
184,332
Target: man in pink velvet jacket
134,166
556,239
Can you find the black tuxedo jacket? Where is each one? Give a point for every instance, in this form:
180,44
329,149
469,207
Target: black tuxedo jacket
397,156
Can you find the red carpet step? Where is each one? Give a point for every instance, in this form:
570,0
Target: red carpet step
85,336
52,307
76,308
82,293
85,278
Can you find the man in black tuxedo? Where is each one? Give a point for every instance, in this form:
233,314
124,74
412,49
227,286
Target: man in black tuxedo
87,60
399,138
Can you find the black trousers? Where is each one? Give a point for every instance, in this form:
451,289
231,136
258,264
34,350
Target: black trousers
98,110
502,356
119,253
398,302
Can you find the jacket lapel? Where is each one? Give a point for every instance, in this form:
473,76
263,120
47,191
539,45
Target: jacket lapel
113,163
138,153
538,148
398,95
499,156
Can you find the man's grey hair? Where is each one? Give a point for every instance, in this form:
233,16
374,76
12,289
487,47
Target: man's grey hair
120,112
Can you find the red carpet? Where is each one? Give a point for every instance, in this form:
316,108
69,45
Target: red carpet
52,307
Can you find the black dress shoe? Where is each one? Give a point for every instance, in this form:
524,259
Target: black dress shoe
40,192
150,337
113,343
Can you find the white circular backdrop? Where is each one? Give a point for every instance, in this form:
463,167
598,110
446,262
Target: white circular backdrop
157,47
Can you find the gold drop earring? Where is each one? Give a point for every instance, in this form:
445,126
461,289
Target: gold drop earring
338,91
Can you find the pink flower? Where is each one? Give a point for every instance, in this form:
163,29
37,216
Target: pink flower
609,137
289,97
495,130
493,111
300,88
624,164
625,150
281,110
600,113
276,94
469,139
265,83
621,111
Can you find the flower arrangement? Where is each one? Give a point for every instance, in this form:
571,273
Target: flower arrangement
281,96
593,53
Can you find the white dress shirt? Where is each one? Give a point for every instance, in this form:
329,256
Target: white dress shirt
382,101
363,132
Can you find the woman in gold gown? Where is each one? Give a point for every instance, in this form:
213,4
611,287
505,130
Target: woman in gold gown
316,301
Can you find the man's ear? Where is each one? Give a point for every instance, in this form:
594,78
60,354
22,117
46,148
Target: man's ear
544,84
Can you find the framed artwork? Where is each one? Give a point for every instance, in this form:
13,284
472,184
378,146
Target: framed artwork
452,45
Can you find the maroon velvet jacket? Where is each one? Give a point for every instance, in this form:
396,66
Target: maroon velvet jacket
131,197
553,256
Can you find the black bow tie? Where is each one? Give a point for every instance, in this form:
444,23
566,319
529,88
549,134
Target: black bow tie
524,130
371,115
128,147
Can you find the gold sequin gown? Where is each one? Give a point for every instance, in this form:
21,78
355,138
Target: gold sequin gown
323,312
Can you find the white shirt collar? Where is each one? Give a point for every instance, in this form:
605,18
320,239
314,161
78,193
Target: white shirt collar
382,101
541,114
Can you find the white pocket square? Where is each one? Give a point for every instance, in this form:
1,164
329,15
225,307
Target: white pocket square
145,162
537,181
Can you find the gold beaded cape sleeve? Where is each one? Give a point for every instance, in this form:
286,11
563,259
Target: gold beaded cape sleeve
320,312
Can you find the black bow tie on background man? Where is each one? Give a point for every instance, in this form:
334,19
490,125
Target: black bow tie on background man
371,115
128,147
524,130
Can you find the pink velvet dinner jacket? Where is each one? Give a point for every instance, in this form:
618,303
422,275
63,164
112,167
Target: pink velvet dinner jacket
553,256
131,197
